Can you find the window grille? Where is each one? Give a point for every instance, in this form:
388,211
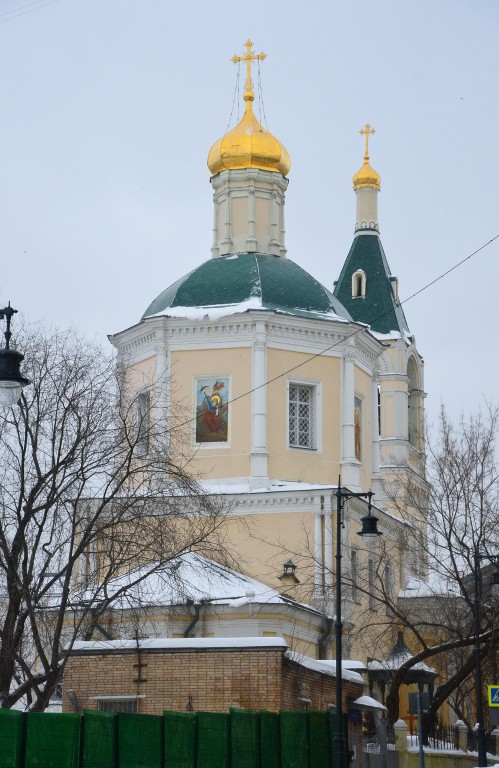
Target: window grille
301,416
118,705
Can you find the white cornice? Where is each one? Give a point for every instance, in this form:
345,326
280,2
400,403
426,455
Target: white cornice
286,332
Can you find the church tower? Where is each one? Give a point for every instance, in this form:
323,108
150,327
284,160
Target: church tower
249,168
370,292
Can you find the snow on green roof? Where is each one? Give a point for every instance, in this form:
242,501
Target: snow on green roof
246,281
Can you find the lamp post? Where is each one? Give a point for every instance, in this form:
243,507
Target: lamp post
11,381
369,531
480,731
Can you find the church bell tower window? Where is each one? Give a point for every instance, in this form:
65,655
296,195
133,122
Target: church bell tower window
359,284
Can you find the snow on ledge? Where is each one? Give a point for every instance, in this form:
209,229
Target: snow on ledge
181,643
325,667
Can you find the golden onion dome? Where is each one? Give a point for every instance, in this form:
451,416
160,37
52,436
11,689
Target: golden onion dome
367,176
249,145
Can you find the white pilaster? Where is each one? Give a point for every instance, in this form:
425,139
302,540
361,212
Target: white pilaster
375,424
214,247
328,550
350,466
251,242
318,557
259,453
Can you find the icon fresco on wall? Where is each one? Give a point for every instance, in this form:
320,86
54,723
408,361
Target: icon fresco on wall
212,409
357,415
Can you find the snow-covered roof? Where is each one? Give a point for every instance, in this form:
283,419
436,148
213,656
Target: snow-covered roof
393,663
193,578
324,666
226,487
434,587
178,643
399,654
352,664
367,702
218,311
242,282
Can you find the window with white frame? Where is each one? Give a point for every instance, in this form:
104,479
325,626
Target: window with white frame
359,284
143,422
302,431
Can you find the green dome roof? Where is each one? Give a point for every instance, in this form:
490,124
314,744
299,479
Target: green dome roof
245,281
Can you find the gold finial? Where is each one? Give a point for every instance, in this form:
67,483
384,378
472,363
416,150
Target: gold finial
250,56
367,131
367,176
249,144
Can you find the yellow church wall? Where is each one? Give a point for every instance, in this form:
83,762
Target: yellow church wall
262,216
264,542
318,465
239,215
230,459
141,375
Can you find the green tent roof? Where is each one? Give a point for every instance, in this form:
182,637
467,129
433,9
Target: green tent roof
254,281
379,309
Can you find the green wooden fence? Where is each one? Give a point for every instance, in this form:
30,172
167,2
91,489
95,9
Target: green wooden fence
234,739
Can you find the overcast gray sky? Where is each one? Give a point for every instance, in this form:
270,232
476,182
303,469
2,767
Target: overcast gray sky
109,108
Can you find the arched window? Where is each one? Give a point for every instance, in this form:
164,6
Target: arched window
359,284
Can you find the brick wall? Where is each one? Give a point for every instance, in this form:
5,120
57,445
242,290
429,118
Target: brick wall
299,681
207,680
210,680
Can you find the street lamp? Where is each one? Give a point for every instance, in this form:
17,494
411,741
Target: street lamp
369,532
480,731
11,381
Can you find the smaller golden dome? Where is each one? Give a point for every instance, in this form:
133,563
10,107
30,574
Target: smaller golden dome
367,176
249,145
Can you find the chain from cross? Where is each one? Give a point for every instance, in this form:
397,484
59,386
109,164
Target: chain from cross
248,58
367,131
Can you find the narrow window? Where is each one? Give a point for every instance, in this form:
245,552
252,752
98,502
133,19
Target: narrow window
373,600
389,589
354,574
143,422
359,284
301,416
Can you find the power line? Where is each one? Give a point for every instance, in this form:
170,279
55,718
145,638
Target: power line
14,13
350,336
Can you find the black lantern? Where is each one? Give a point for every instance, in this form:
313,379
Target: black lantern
11,381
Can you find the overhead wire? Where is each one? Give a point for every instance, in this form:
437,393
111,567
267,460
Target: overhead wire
362,329
15,13
236,94
261,104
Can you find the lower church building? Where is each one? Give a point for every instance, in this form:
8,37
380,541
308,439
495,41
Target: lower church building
285,388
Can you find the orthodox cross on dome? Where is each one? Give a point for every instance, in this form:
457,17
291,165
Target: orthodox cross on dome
367,131
250,56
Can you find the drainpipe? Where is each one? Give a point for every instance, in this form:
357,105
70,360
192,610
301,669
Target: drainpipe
325,636
197,610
